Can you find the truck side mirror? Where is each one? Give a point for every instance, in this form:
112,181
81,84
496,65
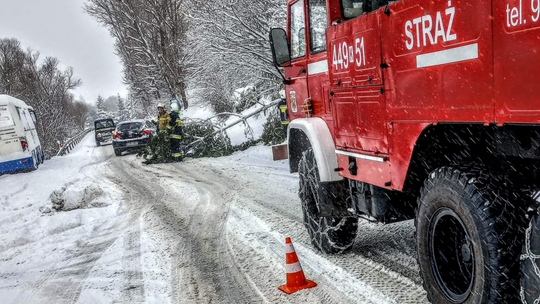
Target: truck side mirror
280,47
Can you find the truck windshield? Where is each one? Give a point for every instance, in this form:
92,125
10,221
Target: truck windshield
353,8
5,117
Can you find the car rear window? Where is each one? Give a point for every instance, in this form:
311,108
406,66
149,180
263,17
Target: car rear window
130,126
104,124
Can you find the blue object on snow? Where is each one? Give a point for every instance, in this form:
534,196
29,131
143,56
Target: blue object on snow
174,104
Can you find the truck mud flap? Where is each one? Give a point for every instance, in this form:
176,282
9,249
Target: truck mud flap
530,264
334,200
280,152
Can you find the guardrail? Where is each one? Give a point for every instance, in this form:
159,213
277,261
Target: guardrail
72,142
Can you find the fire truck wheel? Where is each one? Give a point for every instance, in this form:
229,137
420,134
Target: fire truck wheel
328,234
530,264
469,237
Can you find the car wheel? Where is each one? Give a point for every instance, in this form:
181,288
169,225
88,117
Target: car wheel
468,237
97,143
117,152
328,234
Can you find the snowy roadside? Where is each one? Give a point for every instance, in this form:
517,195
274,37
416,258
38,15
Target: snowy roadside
38,244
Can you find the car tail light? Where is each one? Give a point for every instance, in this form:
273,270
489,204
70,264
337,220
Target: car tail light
146,132
116,135
24,144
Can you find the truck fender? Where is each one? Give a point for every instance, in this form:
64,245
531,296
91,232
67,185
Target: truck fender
304,133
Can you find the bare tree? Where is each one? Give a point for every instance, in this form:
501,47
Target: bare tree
45,87
150,36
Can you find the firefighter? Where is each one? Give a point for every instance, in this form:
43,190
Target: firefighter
175,130
163,118
283,113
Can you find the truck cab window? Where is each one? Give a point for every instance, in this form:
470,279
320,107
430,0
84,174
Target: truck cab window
354,8
317,25
375,4
297,30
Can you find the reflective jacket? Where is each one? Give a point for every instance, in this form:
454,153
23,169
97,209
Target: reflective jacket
175,125
163,121
283,114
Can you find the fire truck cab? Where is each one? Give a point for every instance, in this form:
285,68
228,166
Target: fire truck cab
425,110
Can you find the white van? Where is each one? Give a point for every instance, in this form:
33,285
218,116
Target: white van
20,148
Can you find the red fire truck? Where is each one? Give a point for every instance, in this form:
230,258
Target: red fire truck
425,110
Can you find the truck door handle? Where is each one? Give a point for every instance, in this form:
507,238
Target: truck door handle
302,71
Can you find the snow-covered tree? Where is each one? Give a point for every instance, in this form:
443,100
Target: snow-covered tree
120,104
111,104
46,87
149,36
101,110
228,48
100,103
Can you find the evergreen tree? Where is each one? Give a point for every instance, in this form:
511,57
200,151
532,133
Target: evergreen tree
100,105
121,108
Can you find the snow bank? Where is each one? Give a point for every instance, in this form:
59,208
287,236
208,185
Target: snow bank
241,133
85,194
197,112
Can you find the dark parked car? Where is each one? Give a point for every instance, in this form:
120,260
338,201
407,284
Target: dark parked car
132,135
103,129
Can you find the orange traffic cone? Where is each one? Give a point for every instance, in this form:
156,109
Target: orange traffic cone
295,276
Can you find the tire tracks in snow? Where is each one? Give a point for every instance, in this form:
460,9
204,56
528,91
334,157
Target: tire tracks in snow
143,196
380,258
234,283
210,264
203,267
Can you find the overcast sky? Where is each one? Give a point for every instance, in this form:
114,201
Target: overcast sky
60,28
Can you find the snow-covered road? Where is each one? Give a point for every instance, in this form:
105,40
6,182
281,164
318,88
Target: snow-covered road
201,231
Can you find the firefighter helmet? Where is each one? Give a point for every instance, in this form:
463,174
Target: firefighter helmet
160,105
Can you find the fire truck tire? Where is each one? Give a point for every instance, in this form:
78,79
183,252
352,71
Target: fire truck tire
328,234
530,264
469,237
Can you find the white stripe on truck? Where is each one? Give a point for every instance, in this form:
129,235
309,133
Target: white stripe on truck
458,54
